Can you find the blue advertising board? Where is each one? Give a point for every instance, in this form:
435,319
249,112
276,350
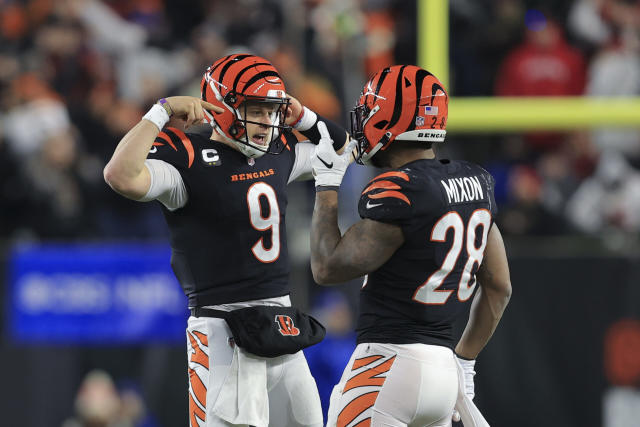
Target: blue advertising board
94,294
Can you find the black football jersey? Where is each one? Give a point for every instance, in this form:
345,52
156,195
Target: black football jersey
445,209
229,241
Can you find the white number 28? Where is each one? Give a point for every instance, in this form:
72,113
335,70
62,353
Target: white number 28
428,292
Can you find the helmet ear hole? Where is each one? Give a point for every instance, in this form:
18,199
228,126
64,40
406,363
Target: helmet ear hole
231,98
236,128
381,124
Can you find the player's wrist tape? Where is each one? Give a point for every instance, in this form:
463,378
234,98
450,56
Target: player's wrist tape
320,188
328,178
306,121
157,115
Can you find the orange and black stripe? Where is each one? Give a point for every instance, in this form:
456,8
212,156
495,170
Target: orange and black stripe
395,103
199,356
395,84
237,73
380,188
173,136
166,138
198,394
355,408
363,361
374,376
371,376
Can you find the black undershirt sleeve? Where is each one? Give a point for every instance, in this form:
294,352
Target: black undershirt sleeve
338,134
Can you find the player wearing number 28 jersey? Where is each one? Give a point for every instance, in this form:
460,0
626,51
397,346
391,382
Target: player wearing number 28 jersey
224,196
425,242
444,209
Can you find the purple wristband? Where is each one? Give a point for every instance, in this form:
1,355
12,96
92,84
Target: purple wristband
165,104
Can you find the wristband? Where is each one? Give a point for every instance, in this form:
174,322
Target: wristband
295,123
166,106
463,358
320,188
157,115
306,120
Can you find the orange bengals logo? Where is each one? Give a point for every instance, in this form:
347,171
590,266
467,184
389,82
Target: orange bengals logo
286,326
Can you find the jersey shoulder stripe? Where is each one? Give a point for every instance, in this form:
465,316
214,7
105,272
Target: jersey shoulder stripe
383,186
392,174
388,197
395,194
387,185
166,138
177,140
186,142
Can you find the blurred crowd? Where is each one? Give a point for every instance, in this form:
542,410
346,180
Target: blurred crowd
556,183
75,75
100,402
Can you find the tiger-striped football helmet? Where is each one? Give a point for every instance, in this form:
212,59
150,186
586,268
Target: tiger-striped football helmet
238,80
402,102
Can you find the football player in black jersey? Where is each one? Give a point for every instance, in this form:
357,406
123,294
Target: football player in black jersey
224,197
427,237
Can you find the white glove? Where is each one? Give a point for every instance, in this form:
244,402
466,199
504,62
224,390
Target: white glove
469,372
328,167
467,368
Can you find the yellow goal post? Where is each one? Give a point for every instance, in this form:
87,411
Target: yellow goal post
512,114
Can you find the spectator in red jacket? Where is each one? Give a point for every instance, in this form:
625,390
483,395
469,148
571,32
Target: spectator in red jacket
543,65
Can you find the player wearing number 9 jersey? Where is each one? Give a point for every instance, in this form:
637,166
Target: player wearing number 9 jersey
426,241
224,197
229,242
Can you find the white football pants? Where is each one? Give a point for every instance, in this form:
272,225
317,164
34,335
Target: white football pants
395,385
293,398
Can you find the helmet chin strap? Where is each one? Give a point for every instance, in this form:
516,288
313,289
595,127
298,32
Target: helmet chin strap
245,147
366,158
242,147
248,150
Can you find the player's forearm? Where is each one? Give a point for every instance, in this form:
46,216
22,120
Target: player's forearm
325,235
486,312
308,127
126,166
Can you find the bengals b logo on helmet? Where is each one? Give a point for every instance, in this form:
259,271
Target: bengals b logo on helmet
286,326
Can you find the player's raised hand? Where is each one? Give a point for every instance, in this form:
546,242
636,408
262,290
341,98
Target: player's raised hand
192,110
328,166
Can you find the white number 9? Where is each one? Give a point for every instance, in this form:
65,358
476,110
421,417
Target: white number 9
261,223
